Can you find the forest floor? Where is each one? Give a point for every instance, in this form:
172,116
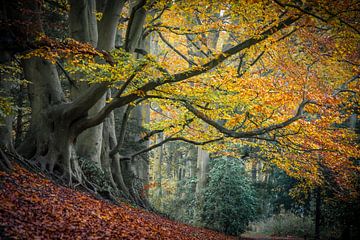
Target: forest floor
32,207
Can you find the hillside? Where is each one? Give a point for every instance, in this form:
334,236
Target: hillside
32,207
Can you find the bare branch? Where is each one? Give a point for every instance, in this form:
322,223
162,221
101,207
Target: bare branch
226,54
129,80
71,81
240,74
306,11
86,100
343,87
251,133
172,140
196,46
175,50
343,22
167,6
241,62
150,134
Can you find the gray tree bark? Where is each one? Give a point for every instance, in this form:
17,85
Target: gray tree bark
49,127
96,143
84,28
83,23
135,171
6,138
202,169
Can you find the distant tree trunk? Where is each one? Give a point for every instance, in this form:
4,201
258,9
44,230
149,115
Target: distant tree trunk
229,42
192,166
161,160
168,159
19,116
158,162
202,169
254,170
203,156
6,138
317,213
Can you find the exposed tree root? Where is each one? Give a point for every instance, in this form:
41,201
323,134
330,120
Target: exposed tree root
73,177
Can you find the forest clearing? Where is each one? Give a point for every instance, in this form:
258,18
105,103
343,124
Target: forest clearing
179,119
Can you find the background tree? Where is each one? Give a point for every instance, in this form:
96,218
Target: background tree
229,199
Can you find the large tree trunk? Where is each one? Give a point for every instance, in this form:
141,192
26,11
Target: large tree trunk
15,38
135,171
83,23
111,164
317,213
83,27
48,139
107,36
49,127
53,132
6,138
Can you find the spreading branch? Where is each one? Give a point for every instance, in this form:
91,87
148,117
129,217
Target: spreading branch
307,11
303,10
191,72
344,86
130,79
251,133
172,139
192,63
148,135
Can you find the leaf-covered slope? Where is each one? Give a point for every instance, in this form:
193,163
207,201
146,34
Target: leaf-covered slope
32,207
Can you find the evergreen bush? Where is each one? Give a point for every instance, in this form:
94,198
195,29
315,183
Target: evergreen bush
229,199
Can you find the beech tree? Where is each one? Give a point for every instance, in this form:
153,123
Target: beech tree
286,68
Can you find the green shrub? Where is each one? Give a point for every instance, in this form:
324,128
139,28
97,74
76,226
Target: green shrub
229,202
182,205
287,224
